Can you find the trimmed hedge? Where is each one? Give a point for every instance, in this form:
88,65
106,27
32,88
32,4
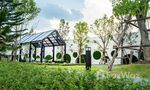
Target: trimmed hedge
59,61
97,55
75,54
58,55
68,58
48,58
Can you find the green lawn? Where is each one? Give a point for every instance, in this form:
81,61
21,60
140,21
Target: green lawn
35,76
131,70
141,70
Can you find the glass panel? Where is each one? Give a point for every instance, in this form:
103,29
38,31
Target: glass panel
32,37
25,38
42,36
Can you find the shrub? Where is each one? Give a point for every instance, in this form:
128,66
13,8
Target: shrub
82,59
58,55
126,59
48,58
33,55
37,56
142,56
59,61
97,55
23,76
75,54
112,53
68,58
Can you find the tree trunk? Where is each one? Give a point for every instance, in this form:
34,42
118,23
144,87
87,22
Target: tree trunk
122,51
104,58
121,38
12,55
144,36
131,56
79,52
113,60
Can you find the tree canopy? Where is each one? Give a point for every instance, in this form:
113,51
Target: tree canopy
81,36
9,17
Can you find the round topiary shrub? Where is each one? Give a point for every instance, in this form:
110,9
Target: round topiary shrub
126,59
58,55
75,54
34,56
68,58
37,56
48,58
112,53
97,55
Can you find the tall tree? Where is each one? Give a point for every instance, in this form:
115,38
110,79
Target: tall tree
103,28
63,31
9,18
138,9
81,37
30,11
126,9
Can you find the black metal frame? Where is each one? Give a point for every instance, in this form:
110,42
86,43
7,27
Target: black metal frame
51,40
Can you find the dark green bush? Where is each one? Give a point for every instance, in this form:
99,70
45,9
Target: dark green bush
25,58
37,56
24,76
59,61
68,58
33,55
75,54
58,55
126,59
112,53
97,55
48,58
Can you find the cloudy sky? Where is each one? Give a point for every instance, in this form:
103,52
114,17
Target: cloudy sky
70,10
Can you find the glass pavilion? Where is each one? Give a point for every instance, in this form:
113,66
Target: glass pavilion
41,40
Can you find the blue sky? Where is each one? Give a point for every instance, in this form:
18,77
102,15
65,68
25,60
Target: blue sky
66,9
70,10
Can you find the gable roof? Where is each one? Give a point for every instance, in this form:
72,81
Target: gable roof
48,39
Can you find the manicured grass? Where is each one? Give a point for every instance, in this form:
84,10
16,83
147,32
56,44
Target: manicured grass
30,76
131,70
141,70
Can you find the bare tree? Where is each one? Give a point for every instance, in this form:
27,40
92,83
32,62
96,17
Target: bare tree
63,31
119,37
103,28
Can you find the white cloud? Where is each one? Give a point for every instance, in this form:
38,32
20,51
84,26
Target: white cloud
96,9
92,10
54,23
